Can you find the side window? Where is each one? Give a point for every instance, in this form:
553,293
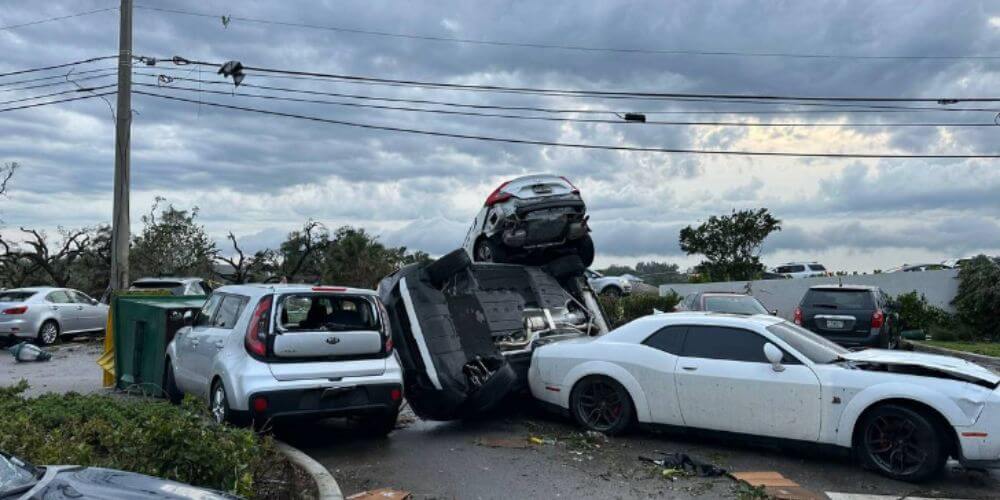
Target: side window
58,297
668,339
717,342
204,288
80,297
204,317
229,311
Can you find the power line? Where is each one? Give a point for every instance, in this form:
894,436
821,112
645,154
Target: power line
59,101
865,108
578,48
568,119
53,94
607,147
58,18
57,66
604,94
56,84
54,77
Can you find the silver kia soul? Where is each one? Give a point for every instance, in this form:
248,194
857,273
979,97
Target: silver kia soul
258,352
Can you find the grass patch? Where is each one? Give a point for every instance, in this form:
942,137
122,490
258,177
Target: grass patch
984,348
146,436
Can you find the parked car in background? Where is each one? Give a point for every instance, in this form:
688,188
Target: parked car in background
723,302
175,286
902,414
850,315
531,220
955,263
916,268
257,352
768,275
44,314
802,270
20,479
613,286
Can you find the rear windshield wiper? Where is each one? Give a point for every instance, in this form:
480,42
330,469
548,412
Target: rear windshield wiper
826,306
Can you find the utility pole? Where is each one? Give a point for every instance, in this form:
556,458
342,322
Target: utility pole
120,235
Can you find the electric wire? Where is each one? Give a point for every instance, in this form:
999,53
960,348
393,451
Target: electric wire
607,147
53,94
579,48
57,18
59,101
57,66
569,119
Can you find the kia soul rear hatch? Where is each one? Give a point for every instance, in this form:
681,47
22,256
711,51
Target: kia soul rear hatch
838,311
321,334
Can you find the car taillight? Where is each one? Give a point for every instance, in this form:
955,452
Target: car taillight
797,317
388,344
571,186
16,310
257,330
498,195
877,318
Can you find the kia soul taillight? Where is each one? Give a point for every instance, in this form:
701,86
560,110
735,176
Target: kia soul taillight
259,327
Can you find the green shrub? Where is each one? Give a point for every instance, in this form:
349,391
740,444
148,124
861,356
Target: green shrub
915,313
978,297
135,434
621,310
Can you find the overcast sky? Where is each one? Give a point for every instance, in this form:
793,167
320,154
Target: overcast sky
261,176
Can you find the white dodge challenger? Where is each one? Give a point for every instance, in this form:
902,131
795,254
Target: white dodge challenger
903,414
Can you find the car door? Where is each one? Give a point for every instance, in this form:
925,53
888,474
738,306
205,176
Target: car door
724,382
92,315
214,338
67,312
188,365
659,385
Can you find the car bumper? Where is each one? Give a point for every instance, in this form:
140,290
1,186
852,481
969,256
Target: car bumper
979,444
17,328
870,340
322,402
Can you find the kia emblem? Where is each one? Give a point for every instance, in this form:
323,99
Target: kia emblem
332,340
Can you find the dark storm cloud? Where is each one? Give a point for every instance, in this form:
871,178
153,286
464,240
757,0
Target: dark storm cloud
209,153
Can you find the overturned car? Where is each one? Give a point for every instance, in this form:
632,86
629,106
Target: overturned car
464,331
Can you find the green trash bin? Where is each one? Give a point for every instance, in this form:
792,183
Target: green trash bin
143,327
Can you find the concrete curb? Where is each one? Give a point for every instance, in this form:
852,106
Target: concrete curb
986,361
325,482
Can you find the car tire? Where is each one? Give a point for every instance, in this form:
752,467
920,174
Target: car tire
48,333
611,291
601,404
450,264
585,249
901,443
379,424
487,250
170,389
218,403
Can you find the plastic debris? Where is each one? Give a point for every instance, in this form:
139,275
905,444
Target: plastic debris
504,442
25,352
382,494
776,486
684,463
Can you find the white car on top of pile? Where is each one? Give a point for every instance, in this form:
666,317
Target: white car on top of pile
903,414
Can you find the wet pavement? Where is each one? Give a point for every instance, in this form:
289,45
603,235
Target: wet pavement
495,458
73,367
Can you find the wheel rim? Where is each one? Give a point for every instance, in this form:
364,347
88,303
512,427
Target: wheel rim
895,444
49,333
601,407
219,404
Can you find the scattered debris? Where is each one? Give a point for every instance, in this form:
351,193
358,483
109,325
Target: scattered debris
382,494
686,464
776,486
24,352
540,441
516,443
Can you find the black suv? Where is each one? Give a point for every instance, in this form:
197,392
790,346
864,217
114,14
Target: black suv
850,315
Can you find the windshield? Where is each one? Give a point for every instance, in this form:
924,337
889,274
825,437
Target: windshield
175,288
733,304
327,312
15,296
816,348
16,475
838,299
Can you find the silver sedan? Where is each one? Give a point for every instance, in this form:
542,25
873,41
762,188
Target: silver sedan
44,314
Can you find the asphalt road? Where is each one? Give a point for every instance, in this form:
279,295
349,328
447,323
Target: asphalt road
73,367
459,460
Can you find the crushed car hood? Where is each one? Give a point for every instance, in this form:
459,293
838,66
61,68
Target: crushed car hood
953,366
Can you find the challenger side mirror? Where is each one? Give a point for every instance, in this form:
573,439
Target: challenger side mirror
774,356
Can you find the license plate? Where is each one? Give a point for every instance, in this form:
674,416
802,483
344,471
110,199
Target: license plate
834,323
541,189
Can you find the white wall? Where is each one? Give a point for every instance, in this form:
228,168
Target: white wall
939,287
